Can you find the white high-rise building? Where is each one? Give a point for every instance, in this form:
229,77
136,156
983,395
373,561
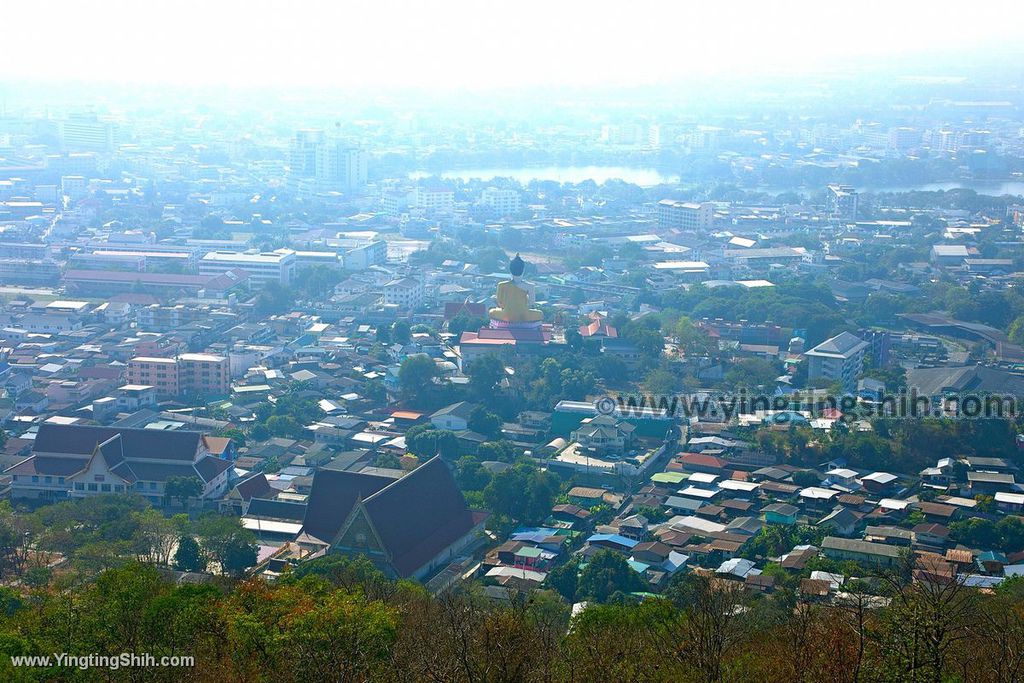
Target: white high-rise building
501,201
340,165
80,132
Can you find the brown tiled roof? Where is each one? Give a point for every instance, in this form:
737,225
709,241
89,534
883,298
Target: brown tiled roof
959,556
936,509
255,486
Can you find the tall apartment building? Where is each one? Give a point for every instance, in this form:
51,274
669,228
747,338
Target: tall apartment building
501,201
269,266
433,198
841,203
675,215
839,359
406,293
201,373
204,373
161,373
302,152
333,163
88,132
341,166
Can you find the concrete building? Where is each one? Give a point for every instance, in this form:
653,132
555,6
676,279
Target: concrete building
406,293
841,203
433,198
685,215
79,132
269,266
839,359
161,373
501,201
338,165
201,373
204,373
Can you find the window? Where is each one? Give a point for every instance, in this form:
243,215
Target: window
118,488
152,486
92,487
48,480
35,479
60,480
105,488
98,477
79,486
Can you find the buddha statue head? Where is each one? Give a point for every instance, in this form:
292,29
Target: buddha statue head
516,267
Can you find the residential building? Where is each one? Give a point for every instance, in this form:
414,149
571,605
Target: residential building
501,201
406,293
685,215
839,359
841,203
201,373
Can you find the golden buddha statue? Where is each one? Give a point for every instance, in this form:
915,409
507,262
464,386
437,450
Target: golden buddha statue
514,299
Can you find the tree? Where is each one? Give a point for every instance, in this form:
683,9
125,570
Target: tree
225,541
154,538
976,532
417,378
189,557
484,422
606,573
284,425
522,492
465,321
564,578
235,434
401,333
274,298
711,623
484,373
661,382
183,489
426,442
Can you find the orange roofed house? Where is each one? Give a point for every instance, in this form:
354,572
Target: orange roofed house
409,527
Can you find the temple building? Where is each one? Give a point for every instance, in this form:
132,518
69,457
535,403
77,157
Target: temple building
514,326
409,527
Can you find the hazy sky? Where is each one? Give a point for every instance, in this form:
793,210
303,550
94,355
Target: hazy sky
461,43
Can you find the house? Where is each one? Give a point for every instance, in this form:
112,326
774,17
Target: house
409,527
586,496
843,520
604,434
863,552
454,417
989,482
933,535
781,513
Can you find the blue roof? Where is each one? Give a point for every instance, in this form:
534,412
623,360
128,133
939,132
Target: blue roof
638,567
613,538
